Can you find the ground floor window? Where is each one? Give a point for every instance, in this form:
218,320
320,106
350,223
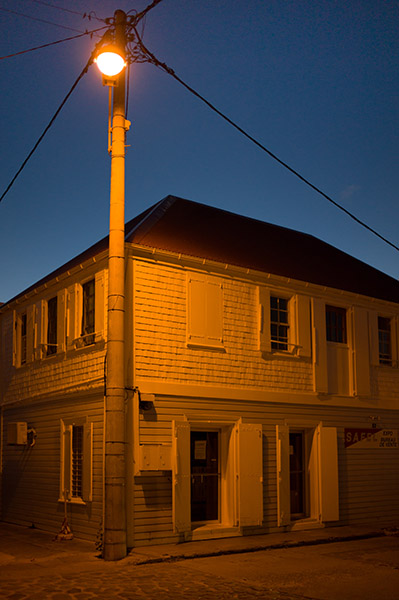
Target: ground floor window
76,461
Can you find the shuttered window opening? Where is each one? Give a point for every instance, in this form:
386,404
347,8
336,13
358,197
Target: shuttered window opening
77,461
52,306
23,339
76,464
204,311
384,341
88,312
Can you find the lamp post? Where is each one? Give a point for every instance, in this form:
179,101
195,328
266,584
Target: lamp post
114,542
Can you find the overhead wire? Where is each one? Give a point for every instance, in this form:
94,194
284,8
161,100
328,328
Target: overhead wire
152,59
90,15
84,71
74,37
14,12
137,18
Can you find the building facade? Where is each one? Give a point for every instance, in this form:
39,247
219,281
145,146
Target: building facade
262,378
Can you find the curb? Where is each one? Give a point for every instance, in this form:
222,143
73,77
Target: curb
279,546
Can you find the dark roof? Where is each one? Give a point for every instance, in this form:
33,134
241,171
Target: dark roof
202,231
195,229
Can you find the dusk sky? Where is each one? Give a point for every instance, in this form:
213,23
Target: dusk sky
315,81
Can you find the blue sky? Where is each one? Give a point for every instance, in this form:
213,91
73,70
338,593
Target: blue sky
314,81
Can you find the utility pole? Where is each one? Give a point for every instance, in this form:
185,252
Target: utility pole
114,543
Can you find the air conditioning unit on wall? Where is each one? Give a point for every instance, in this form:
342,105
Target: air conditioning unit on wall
17,433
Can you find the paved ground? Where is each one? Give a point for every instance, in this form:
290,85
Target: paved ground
301,565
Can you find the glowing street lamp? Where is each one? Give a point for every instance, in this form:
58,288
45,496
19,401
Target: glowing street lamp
111,62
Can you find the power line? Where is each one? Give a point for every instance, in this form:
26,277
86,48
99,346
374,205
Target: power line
152,59
14,12
89,62
74,37
89,16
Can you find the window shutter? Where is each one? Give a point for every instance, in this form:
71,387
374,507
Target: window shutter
87,477
66,461
361,358
72,320
196,310
181,477
250,474
395,340
204,311
61,320
374,345
283,475
328,474
40,328
99,306
264,320
303,327
214,312
320,378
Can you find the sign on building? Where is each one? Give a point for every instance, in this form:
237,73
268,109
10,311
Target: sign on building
371,438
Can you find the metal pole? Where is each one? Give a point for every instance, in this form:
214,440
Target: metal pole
114,458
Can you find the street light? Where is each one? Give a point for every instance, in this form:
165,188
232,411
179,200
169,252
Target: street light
110,60
114,542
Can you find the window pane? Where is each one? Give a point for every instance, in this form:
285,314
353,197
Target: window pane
52,326
279,323
384,340
88,312
23,339
77,461
336,324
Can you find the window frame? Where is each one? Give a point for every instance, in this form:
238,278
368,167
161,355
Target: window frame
280,343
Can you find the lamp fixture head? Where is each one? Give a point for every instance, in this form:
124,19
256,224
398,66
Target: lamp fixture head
110,60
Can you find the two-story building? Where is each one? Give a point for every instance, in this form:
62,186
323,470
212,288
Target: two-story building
262,378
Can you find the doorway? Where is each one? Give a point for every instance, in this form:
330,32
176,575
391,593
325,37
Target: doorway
205,476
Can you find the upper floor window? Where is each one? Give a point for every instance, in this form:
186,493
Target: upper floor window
279,325
204,311
23,338
384,341
88,312
52,306
336,324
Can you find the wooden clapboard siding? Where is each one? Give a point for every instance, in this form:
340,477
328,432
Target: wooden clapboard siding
160,328
368,479
31,479
43,376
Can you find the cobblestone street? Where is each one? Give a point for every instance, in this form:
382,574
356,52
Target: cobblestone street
166,581
345,563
